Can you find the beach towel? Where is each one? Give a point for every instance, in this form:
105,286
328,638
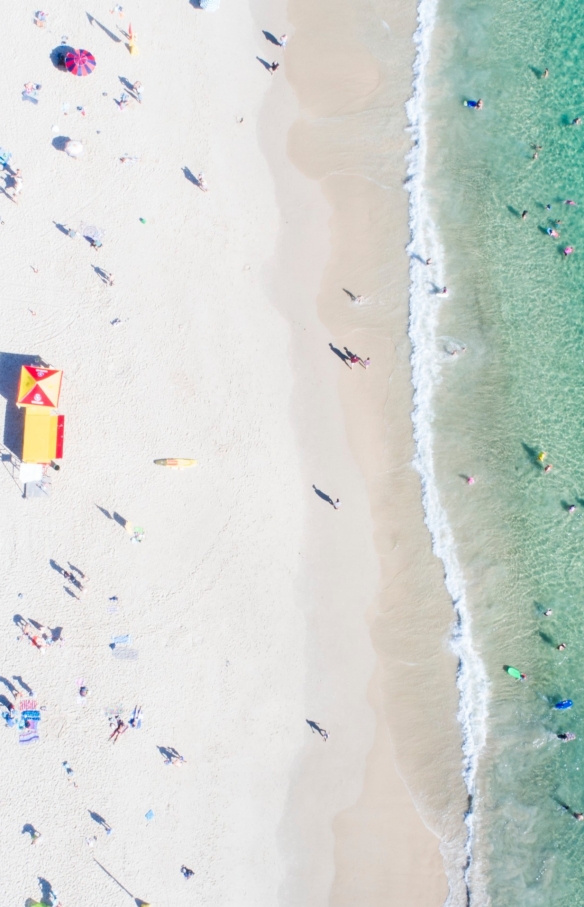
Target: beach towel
135,720
124,640
29,721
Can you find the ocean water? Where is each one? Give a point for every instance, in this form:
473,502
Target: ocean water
514,314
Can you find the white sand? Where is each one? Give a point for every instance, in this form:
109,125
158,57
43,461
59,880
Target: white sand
246,602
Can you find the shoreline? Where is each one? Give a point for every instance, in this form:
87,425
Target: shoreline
337,91
471,677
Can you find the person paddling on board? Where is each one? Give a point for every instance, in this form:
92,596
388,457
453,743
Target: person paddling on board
477,105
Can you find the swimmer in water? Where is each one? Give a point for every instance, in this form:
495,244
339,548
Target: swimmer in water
577,121
548,468
551,232
568,250
524,215
572,508
561,647
545,73
570,202
548,612
567,736
476,104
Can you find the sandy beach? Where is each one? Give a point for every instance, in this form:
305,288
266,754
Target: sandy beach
252,606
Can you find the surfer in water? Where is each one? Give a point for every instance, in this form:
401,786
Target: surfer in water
477,105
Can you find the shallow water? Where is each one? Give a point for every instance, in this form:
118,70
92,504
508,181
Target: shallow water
516,303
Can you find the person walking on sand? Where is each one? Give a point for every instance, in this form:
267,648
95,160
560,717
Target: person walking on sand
137,89
188,873
353,359
366,362
202,182
283,41
337,504
273,67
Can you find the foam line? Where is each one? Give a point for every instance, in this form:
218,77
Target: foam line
472,681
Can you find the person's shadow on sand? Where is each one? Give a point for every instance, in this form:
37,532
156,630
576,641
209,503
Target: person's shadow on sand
324,496
190,176
271,38
341,355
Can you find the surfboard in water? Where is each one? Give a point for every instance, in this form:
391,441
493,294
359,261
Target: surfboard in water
564,704
176,462
513,672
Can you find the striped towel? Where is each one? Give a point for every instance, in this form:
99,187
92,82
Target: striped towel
29,721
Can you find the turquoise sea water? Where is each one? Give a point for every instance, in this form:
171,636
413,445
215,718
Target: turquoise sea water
517,304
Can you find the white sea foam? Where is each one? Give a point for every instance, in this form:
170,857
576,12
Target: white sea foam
427,360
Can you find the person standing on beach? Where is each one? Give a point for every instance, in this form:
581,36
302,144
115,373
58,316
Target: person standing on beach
366,362
283,41
337,504
137,89
273,67
202,182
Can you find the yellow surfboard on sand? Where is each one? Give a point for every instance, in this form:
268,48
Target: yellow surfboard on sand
176,462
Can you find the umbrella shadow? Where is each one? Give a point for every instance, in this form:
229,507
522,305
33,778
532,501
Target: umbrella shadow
10,366
110,34
59,143
57,56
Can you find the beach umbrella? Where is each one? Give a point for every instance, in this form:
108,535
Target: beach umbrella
91,232
73,148
80,62
39,386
